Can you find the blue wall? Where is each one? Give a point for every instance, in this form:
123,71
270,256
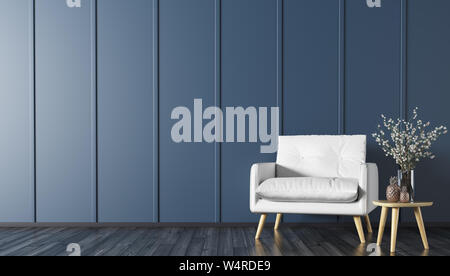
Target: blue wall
16,112
65,112
125,121
249,78
372,74
311,72
86,96
428,86
187,190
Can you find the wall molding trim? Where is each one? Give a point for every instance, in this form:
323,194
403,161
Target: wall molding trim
280,62
33,107
94,104
94,129
404,60
341,69
218,102
196,225
156,214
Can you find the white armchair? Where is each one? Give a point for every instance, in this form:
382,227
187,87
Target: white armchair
318,175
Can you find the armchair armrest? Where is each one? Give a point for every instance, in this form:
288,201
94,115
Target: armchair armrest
369,185
258,174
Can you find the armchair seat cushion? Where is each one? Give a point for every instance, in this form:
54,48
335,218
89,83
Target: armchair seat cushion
309,189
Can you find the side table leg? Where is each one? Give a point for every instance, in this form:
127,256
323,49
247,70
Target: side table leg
421,225
369,225
384,214
395,215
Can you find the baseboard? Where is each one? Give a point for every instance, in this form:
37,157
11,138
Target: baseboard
196,225
124,224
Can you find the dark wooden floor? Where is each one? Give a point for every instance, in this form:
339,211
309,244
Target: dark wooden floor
238,241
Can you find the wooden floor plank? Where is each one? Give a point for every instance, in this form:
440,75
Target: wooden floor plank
166,242
225,242
139,243
130,237
40,246
338,240
255,247
197,243
26,242
109,243
211,247
21,241
302,248
180,247
152,242
94,241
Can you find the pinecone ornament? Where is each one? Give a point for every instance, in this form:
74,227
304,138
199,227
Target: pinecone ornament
393,190
404,195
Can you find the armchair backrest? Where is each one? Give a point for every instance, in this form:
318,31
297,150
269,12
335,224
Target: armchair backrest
321,156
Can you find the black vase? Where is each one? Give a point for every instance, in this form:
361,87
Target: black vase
406,179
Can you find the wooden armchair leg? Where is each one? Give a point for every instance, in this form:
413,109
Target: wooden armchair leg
369,226
359,228
262,221
278,221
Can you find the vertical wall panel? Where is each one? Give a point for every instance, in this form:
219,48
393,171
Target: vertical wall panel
249,78
125,113
429,89
187,177
65,112
16,111
311,44
311,63
372,74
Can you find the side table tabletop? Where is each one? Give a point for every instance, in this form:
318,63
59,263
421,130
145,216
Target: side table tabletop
385,205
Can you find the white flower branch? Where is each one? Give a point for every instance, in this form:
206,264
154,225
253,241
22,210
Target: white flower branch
408,142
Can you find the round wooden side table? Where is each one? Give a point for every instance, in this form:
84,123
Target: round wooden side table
385,205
